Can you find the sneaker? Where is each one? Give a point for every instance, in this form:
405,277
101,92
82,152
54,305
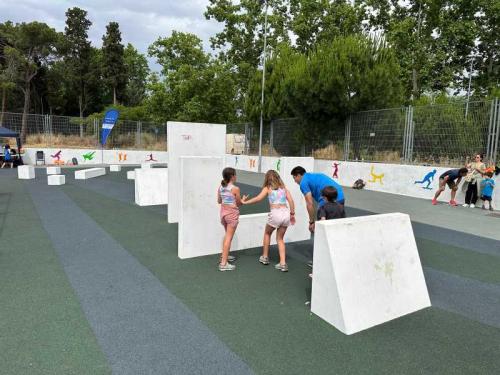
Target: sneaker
483,207
264,260
491,207
472,205
231,258
465,205
310,275
434,202
227,267
281,267
453,203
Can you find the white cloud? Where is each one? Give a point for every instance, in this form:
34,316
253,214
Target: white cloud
141,22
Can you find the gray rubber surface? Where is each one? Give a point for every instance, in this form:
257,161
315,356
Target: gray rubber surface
138,323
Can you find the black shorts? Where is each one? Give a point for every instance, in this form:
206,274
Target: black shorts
485,198
451,184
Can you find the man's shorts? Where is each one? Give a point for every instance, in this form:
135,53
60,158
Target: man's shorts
451,184
279,217
485,198
229,215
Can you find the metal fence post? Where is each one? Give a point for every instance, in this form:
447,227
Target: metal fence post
271,138
347,138
496,130
411,139
138,133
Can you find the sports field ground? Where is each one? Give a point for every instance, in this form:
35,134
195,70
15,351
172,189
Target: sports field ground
90,283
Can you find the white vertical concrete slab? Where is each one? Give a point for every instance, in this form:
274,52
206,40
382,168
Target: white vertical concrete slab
53,170
115,168
130,175
367,271
190,139
151,186
26,172
56,179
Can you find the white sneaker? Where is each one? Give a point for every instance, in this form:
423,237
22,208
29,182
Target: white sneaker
472,205
465,205
227,267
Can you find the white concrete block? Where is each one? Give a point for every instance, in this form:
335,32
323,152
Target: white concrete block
26,172
146,165
85,174
190,139
367,271
200,213
130,175
115,168
151,186
56,179
53,170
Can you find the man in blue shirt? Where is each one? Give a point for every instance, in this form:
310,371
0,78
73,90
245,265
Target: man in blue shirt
311,185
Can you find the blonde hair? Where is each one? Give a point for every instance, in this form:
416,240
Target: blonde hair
273,180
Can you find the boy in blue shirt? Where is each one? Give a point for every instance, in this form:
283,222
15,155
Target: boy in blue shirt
312,185
488,186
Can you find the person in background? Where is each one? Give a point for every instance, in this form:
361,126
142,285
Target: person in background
311,186
487,194
280,217
7,157
331,209
473,178
451,178
228,196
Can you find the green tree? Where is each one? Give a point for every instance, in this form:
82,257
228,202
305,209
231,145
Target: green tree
137,74
8,73
32,46
113,64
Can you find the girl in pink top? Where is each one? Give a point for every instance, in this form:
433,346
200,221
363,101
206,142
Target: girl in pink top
228,196
280,217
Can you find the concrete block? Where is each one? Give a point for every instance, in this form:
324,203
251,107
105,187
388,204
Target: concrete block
190,139
115,168
53,170
56,179
130,175
367,271
85,174
146,165
151,186
26,172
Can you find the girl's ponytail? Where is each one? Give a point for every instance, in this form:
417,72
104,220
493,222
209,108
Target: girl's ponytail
227,175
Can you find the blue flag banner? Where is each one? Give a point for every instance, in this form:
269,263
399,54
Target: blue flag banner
110,118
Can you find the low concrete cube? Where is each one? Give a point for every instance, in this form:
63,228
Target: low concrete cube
56,179
26,172
367,271
115,168
145,165
85,174
53,170
130,175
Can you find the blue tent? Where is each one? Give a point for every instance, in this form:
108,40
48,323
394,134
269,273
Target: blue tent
7,133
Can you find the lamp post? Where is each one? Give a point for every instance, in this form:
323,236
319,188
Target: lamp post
263,86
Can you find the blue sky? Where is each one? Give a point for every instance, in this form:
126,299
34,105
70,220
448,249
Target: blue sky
141,21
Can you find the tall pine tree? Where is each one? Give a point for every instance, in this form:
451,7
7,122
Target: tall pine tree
113,64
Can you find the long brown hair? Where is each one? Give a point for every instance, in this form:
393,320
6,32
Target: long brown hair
227,175
273,180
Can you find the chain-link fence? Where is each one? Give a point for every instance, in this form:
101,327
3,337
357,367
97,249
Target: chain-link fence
433,134
444,135
73,132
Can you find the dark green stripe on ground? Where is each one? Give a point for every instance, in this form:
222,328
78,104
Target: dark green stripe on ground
260,313
42,327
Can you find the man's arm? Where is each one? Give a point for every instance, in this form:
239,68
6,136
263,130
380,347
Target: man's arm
310,206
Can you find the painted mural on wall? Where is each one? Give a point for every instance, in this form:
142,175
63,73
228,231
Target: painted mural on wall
376,177
88,156
235,161
57,158
151,158
122,156
278,165
252,163
428,179
335,173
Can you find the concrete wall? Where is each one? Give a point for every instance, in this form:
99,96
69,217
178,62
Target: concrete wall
120,157
367,271
190,139
151,186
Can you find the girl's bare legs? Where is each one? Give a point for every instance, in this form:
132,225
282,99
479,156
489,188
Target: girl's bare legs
226,243
267,240
280,234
